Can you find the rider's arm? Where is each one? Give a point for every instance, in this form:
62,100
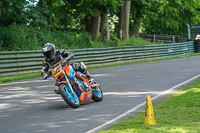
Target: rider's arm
45,69
66,54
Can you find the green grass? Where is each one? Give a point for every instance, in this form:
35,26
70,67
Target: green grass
142,61
7,79
133,41
137,41
178,113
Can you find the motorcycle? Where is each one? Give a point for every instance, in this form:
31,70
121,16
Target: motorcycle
74,87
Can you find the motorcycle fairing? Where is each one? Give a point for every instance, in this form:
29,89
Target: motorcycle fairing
72,74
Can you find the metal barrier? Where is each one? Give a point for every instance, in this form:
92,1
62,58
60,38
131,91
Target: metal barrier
161,38
193,30
20,62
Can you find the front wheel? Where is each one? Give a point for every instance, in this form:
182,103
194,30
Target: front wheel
97,94
69,96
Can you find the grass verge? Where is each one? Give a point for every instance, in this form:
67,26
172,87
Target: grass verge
142,61
7,79
177,113
36,75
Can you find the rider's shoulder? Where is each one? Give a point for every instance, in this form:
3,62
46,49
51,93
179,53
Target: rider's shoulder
62,50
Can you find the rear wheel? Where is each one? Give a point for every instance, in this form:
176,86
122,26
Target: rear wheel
69,96
97,94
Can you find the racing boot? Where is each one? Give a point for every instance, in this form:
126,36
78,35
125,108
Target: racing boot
88,76
82,68
85,71
56,89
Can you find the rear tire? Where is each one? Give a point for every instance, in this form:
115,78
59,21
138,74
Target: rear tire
69,96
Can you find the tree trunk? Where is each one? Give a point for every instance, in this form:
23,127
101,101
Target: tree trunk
136,29
5,13
105,29
124,20
92,25
120,23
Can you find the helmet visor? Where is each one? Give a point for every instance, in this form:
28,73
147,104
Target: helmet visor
49,54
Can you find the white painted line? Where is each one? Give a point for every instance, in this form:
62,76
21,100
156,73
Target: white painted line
172,89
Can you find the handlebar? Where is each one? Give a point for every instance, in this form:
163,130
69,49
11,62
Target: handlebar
65,62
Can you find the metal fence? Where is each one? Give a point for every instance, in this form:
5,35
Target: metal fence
193,30
20,62
161,38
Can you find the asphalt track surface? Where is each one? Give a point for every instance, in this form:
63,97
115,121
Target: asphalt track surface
32,107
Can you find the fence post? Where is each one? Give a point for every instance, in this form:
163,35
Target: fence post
154,38
189,33
173,39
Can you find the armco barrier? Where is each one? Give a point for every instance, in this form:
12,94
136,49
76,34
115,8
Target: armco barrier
20,62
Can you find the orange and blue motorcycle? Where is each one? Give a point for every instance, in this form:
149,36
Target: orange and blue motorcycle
74,86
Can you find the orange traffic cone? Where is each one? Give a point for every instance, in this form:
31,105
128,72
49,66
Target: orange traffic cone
149,114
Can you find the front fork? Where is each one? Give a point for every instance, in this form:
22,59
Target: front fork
93,83
66,82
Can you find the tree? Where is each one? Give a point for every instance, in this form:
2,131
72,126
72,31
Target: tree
105,28
172,17
59,14
92,25
124,20
39,14
110,7
82,12
77,14
13,11
93,10
141,9
138,9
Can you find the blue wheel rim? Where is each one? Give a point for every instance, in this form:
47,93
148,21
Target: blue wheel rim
97,92
73,97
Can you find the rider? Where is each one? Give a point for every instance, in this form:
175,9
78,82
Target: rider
53,56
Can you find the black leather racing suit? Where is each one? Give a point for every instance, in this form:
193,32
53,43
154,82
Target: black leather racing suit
59,55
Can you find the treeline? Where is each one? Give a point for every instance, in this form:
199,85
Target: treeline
28,24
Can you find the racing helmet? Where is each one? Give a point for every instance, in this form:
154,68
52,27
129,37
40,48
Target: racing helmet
48,51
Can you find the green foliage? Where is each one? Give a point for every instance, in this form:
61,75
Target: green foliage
14,11
101,6
61,16
62,21
72,14
142,8
135,41
172,16
19,37
38,14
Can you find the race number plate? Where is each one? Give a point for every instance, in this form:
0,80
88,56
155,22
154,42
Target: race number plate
57,71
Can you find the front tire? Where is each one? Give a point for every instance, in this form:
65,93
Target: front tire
97,94
69,96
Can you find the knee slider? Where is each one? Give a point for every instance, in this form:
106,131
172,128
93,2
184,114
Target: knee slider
83,66
76,66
